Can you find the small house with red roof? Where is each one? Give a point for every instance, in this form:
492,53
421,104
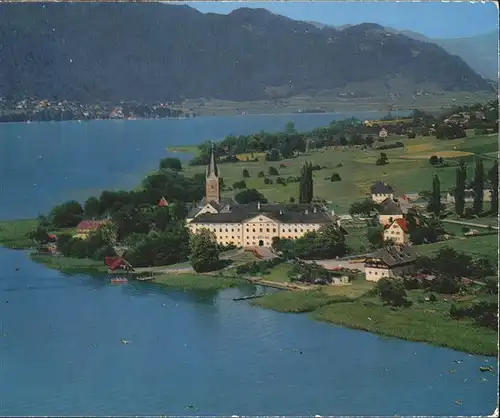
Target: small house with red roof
162,202
117,264
397,231
84,228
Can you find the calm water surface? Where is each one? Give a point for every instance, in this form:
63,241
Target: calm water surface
43,164
61,350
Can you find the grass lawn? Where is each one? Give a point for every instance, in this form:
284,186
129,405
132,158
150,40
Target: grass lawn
352,307
13,233
279,274
408,170
295,301
483,245
70,265
423,321
198,282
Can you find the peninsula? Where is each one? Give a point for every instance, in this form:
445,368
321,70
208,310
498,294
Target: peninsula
387,226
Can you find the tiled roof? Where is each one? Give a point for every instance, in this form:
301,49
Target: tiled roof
389,207
403,223
162,202
395,255
278,212
90,225
380,187
114,262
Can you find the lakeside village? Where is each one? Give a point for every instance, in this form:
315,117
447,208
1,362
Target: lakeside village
37,110
415,265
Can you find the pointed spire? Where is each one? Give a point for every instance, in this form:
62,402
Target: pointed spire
212,169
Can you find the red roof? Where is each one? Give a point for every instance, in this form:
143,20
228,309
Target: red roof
90,225
403,223
162,202
115,262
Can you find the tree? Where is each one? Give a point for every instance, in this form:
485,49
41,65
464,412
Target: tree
435,205
335,177
239,184
246,174
391,292
306,183
273,171
170,163
369,140
204,251
249,196
40,234
382,159
423,230
375,236
365,207
273,155
461,179
67,214
433,160
493,179
261,174
92,207
478,187
43,221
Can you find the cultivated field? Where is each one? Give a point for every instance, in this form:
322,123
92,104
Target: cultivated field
408,170
329,101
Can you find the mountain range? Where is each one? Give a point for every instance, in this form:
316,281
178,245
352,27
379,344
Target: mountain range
480,52
150,52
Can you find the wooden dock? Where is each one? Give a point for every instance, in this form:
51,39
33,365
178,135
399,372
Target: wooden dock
250,297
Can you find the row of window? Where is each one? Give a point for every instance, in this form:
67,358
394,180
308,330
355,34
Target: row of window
296,230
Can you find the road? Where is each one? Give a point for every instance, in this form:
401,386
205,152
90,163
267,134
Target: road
451,221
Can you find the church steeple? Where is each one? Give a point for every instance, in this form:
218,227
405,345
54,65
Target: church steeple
212,192
212,169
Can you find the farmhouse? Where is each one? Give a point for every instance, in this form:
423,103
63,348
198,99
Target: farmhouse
381,191
397,231
388,211
390,262
253,224
84,228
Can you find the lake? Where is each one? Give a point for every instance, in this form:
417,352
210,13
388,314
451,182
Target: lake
43,164
190,353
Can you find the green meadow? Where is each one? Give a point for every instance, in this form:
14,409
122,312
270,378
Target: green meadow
408,170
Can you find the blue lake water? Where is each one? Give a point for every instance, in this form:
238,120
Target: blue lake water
61,350
42,164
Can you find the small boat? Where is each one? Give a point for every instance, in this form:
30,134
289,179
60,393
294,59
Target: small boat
125,342
145,278
119,280
486,368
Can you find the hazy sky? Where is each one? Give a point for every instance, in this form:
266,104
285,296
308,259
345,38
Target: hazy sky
432,19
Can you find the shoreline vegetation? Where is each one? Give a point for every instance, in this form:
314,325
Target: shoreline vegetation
351,305
32,110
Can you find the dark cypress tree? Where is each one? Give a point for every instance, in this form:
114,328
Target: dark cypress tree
310,190
303,184
461,179
478,187
435,200
493,178
306,183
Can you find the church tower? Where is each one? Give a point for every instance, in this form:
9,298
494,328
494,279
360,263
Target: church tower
212,192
